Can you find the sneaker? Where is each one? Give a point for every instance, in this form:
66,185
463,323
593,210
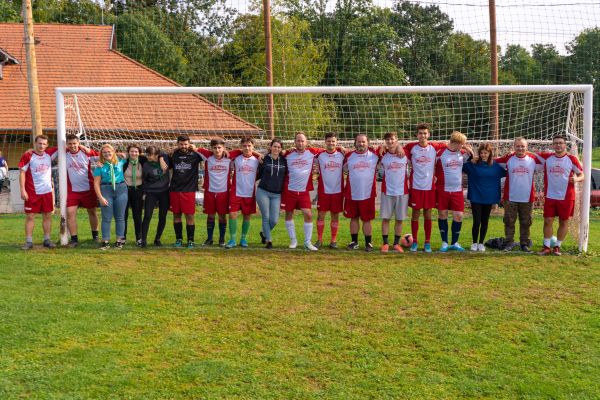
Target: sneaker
475,247
369,247
333,246
269,245
385,248
263,239
104,245
190,244
509,246
293,244
243,243
444,247
143,244
353,246
318,244
157,243
546,251
556,251
427,247
398,249
178,243
230,244
310,246
456,247
138,243
525,248
207,242
49,244
96,240
72,244
222,243
480,247
27,246
119,245
414,247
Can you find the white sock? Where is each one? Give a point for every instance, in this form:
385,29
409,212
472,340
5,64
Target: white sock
558,243
547,242
291,229
308,228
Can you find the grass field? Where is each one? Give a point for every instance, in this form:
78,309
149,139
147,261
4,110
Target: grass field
596,157
212,323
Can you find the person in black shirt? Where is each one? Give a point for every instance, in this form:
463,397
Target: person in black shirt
155,177
184,183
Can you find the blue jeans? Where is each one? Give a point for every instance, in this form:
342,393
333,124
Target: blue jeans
117,203
269,204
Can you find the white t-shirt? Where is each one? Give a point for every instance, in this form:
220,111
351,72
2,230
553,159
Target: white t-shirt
395,182
557,174
422,160
362,168
518,186
38,171
216,172
330,172
300,166
244,174
449,170
79,173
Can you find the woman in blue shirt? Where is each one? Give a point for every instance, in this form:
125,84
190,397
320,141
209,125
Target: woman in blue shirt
483,191
110,187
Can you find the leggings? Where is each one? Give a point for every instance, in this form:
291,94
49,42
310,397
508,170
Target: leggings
481,217
136,202
162,198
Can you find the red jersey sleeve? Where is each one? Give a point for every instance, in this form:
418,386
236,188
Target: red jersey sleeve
438,145
92,153
24,162
576,163
315,151
234,153
504,159
205,152
408,148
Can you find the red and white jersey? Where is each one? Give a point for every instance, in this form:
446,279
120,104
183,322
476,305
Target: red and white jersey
518,186
216,172
38,171
245,170
557,174
79,172
395,181
362,167
448,170
422,160
300,166
331,172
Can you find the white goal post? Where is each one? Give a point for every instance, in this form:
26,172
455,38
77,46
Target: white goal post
584,122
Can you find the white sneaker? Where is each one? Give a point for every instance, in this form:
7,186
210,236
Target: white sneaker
310,246
293,244
480,247
474,247
444,247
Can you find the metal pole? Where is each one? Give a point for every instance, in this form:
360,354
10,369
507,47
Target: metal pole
584,226
32,79
494,114
62,166
269,67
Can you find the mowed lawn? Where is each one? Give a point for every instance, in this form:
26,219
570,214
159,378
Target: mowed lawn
215,323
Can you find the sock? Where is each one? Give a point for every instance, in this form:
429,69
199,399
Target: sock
396,239
46,237
74,238
245,229
414,228
547,242
385,239
320,229
94,235
189,230
558,243
354,237
308,227
456,226
178,226
210,228
427,227
334,230
368,239
291,230
443,225
222,228
233,229
29,239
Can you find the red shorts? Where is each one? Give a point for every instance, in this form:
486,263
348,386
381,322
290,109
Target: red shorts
216,202
365,209
421,199
246,204
291,201
563,209
39,203
82,199
183,202
331,202
453,201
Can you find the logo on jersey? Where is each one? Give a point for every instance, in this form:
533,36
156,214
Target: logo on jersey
332,166
246,169
218,167
183,166
423,160
557,170
453,164
299,163
40,169
520,170
396,166
361,165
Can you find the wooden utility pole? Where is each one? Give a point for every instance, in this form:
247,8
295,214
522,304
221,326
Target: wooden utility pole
32,79
269,67
494,114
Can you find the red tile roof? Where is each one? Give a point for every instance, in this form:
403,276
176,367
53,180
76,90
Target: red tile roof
81,55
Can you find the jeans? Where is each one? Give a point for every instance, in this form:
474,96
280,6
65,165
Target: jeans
269,204
117,203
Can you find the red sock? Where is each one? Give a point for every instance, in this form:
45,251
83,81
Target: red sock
427,226
334,229
320,229
414,227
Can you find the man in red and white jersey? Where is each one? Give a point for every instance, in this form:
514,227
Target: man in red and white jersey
519,193
296,189
37,190
394,191
449,190
216,188
561,171
422,156
330,189
360,190
80,187
242,192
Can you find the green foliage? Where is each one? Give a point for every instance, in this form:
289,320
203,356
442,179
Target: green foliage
8,12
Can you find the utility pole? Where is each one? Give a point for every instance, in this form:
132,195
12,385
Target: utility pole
269,67
494,113
32,79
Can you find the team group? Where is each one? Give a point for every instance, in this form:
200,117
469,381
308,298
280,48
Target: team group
421,175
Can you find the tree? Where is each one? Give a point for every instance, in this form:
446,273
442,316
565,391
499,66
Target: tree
551,62
468,61
8,12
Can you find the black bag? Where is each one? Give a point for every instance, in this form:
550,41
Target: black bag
495,243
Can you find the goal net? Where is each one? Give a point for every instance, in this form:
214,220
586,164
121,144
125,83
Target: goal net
498,114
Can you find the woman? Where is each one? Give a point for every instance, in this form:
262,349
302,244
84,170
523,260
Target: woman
132,171
110,187
155,178
483,191
271,173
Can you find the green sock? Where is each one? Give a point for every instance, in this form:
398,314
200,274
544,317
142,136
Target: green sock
233,229
245,229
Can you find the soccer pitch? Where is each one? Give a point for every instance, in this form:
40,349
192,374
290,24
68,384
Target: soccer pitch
215,323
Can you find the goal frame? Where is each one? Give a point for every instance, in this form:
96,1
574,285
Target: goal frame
586,90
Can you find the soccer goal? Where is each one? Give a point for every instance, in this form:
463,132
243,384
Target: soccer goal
157,115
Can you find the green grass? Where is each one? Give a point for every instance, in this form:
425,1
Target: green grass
211,323
596,157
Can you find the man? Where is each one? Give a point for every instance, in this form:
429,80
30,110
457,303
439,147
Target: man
422,156
519,193
360,190
184,183
242,195
394,191
80,187
35,180
3,171
448,183
330,189
561,171
296,189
